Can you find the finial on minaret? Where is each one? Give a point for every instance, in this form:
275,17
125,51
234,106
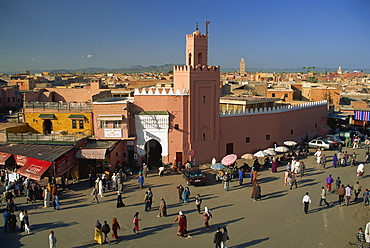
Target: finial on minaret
196,26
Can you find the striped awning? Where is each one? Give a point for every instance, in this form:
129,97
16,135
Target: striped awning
47,116
362,115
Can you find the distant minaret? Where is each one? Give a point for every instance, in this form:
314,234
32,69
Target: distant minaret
242,67
339,71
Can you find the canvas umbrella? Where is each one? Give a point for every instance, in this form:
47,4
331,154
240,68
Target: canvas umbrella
248,156
290,143
281,149
270,152
229,159
218,166
260,154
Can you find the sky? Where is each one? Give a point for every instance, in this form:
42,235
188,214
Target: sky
51,34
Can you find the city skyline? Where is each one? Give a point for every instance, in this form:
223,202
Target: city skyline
46,35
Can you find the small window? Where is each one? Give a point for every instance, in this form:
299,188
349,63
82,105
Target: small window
13,98
248,139
163,85
8,99
273,95
103,124
74,124
204,99
204,136
291,131
268,137
117,124
81,124
176,126
316,125
285,95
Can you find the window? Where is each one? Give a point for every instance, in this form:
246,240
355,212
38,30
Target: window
268,137
13,98
103,124
176,126
273,95
163,85
117,124
74,124
204,136
285,95
291,131
204,99
81,124
8,99
248,139
315,125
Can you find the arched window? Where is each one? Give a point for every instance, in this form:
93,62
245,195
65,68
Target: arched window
189,62
204,99
200,58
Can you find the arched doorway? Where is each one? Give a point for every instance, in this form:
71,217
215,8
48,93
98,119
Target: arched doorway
48,126
153,153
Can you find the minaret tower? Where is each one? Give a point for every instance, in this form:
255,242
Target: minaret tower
242,67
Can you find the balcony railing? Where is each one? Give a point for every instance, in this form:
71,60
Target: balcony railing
58,105
44,138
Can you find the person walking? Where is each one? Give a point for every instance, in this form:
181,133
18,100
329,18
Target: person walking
140,180
115,228
106,229
119,203
150,197
146,202
256,191
357,190
240,176
6,216
329,181
306,202
186,194
162,208
136,223
52,240
293,180
26,222
180,189
21,219
12,222
225,237
335,160
348,194
98,235
360,236
57,203
198,202
366,196
218,238
46,197
323,196
145,170
338,182
94,193
341,194
182,224
226,180
207,216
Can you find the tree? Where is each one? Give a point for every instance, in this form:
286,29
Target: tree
312,79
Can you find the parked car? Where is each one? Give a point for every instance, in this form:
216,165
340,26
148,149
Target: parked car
321,143
335,138
194,176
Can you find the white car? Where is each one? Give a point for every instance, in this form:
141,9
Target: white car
319,143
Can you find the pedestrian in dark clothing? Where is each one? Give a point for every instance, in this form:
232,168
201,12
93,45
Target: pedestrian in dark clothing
6,216
150,198
198,202
218,238
119,200
360,236
341,193
181,191
94,193
12,222
106,229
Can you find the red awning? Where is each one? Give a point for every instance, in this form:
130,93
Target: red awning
34,168
20,160
4,157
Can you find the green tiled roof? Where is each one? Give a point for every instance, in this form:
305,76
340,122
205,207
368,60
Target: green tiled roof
46,116
76,117
152,113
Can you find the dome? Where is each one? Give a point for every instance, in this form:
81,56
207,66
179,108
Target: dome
197,32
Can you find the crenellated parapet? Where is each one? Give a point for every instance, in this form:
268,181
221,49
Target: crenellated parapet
197,35
159,92
272,110
185,68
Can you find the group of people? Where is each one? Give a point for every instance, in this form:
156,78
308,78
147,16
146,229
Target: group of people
101,231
